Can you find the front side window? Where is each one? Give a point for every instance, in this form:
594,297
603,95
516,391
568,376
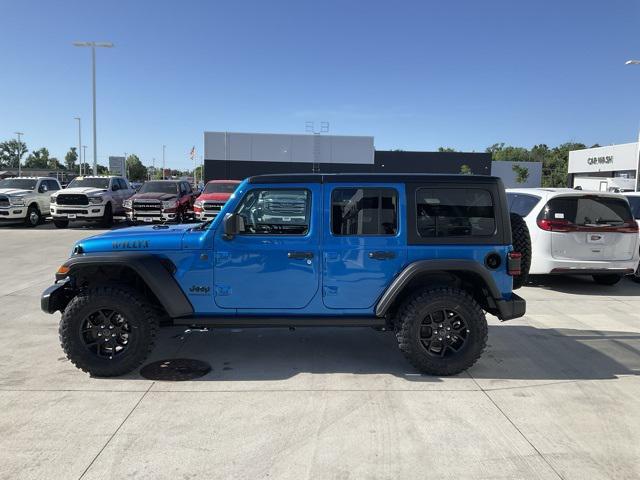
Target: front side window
275,212
455,212
52,185
364,211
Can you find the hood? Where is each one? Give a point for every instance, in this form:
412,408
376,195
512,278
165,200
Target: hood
220,197
154,196
85,190
139,239
14,191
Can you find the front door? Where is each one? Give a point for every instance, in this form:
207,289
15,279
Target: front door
364,243
273,263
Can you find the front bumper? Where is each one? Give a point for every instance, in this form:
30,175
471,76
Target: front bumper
206,214
13,213
516,307
72,212
55,297
150,216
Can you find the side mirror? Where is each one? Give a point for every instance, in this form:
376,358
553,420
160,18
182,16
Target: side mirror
43,188
232,224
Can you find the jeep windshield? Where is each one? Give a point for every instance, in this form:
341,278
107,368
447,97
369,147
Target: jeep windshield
159,187
21,183
102,183
220,188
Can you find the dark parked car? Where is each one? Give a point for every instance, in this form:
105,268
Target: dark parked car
161,201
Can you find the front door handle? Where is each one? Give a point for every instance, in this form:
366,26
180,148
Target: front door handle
300,255
382,255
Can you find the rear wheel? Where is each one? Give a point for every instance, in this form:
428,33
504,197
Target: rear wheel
60,223
521,243
441,332
34,217
108,331
607,279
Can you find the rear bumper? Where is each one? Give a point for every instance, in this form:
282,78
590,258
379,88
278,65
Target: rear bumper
592,271
516,307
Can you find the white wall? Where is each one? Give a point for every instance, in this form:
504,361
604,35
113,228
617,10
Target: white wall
504,170
270,147
604,159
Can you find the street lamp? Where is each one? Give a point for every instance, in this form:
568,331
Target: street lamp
632,62
79,146
163,149
93,46
636,62
19,134
84,155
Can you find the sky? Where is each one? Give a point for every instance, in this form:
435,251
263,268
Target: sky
416,75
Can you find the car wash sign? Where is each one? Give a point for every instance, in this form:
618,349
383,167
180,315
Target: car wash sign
612,158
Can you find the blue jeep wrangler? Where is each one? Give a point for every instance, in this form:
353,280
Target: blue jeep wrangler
421,255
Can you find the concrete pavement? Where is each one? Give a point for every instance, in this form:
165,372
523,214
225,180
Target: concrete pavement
554,396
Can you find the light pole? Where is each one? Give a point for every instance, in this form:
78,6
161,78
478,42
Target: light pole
84,155
636,62
163,149
93,46
79,146
19,134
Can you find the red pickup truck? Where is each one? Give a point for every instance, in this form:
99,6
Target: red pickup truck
213,197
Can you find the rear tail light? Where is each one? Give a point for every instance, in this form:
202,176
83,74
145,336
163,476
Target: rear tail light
514,263
629,227
556,225
560,225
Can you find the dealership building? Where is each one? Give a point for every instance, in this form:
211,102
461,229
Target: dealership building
230,155
613,164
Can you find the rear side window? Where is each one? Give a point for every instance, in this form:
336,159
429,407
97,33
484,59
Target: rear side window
588,210
364,211
455,212
635,206
522,203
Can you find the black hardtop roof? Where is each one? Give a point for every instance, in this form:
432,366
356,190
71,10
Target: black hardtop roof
373,178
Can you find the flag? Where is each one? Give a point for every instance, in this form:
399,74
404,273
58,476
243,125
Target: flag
193,152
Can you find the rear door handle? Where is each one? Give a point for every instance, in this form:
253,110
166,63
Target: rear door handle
300,255
382,255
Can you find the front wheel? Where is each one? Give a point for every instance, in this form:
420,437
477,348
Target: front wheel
107,216
108,331
442,332
607,279
34,217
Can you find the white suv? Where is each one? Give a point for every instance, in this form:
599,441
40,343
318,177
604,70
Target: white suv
26,199
90,198
578,232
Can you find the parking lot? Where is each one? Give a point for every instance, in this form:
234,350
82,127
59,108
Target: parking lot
554,396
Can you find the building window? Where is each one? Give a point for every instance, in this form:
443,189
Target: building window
364,211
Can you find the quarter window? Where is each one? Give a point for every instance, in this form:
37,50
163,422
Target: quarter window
364,211
521,203
455,212
275,212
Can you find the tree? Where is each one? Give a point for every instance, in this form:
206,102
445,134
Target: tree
135,169
11,152
446,149
41,159
522,173
102,170
71,158
465,170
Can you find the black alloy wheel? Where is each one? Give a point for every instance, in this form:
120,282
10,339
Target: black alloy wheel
106,333
443,333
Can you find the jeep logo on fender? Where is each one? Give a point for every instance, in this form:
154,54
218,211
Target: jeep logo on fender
130,244
198,289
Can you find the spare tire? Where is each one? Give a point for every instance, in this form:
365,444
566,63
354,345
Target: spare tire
521,243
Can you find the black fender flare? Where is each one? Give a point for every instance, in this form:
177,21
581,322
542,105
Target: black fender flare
156,272
434,266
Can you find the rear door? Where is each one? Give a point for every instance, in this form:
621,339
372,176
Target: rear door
591,228
364,242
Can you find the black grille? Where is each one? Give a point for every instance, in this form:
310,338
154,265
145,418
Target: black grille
212,206
4,201
138,205
72,199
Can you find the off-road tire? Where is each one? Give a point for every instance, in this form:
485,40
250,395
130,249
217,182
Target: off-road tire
409,322
33,211
141,316
61,223
107,216
607,279
521,241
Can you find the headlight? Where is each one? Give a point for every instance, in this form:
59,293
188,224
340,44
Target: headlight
169,204
198,203
127,204
52,199
18,201
95,200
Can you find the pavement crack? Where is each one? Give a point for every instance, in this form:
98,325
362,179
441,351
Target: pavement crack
544,459
115,432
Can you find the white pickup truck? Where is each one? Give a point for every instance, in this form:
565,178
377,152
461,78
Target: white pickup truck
26,199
